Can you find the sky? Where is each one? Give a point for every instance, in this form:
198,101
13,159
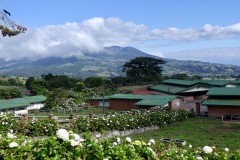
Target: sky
202,30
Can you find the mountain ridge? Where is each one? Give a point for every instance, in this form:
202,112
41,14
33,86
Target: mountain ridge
106,63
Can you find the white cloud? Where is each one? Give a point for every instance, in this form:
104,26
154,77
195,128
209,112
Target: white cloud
157,53
71,39
218,55
207,32
93,34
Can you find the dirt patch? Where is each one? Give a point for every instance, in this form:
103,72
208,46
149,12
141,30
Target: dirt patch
227,127
231,122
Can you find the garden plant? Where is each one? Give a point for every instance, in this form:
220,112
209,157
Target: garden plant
49,139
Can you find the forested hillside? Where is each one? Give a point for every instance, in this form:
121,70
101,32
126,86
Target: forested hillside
107,64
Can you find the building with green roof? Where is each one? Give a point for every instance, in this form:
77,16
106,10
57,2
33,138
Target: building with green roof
194,88
22,104
136,101
223,101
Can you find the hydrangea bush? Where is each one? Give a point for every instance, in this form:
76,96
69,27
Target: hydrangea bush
8,123
70,146
128,121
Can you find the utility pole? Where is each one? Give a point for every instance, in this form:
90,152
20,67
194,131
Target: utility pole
103,105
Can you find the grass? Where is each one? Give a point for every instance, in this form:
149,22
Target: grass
199,132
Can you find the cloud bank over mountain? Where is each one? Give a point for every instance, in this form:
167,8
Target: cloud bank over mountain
94,34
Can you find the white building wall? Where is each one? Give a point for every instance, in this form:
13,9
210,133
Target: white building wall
20,112
197,89
35,106
231,85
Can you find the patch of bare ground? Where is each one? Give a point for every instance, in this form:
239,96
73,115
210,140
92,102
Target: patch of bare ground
227,126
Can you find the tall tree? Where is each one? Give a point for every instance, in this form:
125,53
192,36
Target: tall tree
94,82
143,69
39,87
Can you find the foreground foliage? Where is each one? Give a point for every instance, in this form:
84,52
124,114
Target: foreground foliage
67,145
58,143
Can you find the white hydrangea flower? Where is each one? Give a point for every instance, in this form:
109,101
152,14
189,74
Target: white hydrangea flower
24,143
74,142
226,149
207,149
0,136
10,135
63,134
190,146
199,158
115,143
152,141
13,144
149,143
118,140
98,135
128,139
89,145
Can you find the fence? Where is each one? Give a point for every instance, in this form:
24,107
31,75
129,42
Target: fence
67,118
226,117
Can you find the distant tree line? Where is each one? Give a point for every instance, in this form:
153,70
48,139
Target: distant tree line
60,89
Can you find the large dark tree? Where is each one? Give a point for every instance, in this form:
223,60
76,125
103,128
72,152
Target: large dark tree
143,69
94,82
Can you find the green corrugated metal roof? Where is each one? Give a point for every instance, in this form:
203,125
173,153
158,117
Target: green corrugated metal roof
126,96
20,102
13,103
224,91
180,82
218,83
202,81
222,102
168,88
160,101
144,100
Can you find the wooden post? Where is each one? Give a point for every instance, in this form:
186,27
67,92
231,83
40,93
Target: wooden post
91,115
72,116
25,118
134,113
197,108
170,105
51,116
107,114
